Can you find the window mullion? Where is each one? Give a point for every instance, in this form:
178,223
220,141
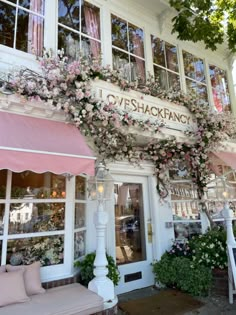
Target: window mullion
50,25
15,29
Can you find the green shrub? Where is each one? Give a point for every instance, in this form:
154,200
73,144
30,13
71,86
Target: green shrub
86,269
181,273
209,249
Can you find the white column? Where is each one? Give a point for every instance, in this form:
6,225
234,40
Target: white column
227,214
101,284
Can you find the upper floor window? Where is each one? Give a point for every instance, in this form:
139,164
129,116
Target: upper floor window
195,76
165,64
22,25
128,49
79,28
219,85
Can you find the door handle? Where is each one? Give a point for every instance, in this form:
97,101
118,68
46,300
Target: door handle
149,230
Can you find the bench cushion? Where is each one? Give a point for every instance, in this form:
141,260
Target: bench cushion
73,299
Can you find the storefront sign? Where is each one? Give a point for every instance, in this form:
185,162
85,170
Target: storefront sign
144,106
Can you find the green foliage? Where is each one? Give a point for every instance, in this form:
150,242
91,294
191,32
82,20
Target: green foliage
209,249
200,20
182,273
86,269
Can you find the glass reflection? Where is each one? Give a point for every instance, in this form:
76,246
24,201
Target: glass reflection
29,217
80,187
136,40
35,6
185,231
3,183
166,79
90,47
70,42
7,24
183,191
137,69
129,220
193,67
79,215
121,63
185,210
41,186
119,33
158,51
48,250
199,90
69,13
79,244
171,57
2,212
90,20
220,90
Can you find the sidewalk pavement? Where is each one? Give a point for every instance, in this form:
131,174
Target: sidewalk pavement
213,305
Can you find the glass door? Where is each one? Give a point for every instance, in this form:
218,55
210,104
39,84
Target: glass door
133,233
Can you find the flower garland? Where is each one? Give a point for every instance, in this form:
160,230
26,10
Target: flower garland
67,86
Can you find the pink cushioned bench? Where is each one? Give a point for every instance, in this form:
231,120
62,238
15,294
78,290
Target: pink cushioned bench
72,299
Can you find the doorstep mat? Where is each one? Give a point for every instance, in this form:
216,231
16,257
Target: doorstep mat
166,302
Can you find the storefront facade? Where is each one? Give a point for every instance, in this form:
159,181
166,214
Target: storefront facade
45,212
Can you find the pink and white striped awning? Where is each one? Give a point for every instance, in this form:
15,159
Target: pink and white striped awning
42,145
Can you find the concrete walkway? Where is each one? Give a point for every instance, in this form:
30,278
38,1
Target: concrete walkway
213,305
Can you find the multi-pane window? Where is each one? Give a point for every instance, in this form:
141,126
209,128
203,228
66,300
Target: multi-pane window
22,25
222,187
33,213
220,91
165,64
79,28
195,76
128,49
184,203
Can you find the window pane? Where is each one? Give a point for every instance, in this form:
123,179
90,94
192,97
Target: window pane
119,32
90,20
199,90
129,220
31,185
136,40
173,80
36,5
79,244
29,36
193,67
3,183
90,47
68,13
161,77
79,215
48,250
70,42
32,217
183,191
171,57
7,24
220,90
137,69
186,210
80,186
158,51
2,212
121,63
185,231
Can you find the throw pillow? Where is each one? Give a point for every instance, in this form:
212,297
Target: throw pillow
2,268
12,288
31,277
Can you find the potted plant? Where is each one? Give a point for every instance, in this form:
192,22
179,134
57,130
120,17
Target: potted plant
86,266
